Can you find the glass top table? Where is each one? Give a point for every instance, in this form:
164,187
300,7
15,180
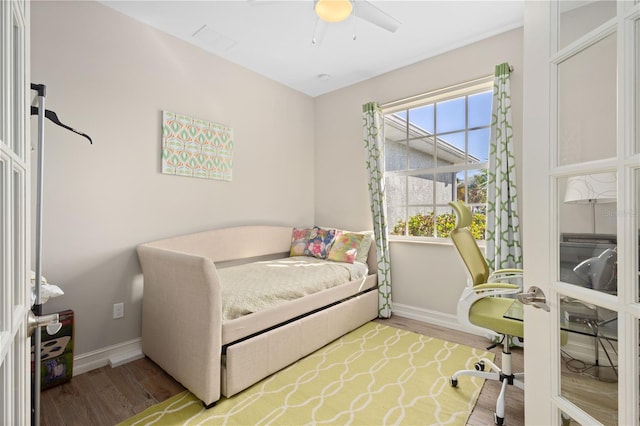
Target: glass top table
578,317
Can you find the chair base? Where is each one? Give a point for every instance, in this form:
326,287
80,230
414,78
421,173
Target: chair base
502,374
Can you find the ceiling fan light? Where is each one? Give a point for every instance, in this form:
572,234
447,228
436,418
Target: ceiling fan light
333,10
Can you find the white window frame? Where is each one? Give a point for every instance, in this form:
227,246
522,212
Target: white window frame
437,96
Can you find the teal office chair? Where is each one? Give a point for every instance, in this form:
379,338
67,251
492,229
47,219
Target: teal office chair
481,307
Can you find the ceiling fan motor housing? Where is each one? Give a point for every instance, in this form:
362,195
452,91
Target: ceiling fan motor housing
333,10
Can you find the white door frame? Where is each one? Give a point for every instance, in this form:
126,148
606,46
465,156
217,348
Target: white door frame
15,405
540,201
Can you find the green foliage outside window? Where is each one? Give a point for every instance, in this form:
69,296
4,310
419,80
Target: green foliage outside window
476,189
422,225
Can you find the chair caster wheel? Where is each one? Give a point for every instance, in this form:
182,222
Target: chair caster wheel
498,420
453,382
479,366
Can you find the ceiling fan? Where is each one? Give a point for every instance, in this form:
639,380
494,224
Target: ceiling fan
331,11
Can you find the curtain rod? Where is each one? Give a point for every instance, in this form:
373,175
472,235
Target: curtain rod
414,97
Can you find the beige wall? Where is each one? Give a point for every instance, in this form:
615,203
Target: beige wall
426,277
111,77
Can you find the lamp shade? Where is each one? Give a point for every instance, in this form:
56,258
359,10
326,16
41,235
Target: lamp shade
598,188
333,10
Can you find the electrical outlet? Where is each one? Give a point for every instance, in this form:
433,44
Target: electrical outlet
118,310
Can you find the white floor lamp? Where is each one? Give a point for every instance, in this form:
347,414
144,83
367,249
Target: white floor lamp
591,189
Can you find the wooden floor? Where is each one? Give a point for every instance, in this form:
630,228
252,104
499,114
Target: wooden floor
107,395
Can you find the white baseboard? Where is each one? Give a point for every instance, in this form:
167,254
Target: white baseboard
433,317
579,351
440,319
583,348
111,355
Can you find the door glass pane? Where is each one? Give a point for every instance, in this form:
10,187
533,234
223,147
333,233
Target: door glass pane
4,288
5,371
3,71
17,90
637,84
588,221
587,104
17,232
18,382
589,353
577,18
636,215
567,420
8,51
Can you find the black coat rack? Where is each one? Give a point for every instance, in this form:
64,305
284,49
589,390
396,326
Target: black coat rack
36,319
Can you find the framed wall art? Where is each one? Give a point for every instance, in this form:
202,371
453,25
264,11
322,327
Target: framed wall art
195,147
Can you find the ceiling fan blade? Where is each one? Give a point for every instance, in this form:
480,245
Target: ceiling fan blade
370,13
319,31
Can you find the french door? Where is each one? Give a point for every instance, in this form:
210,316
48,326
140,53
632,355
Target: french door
581,170
14,204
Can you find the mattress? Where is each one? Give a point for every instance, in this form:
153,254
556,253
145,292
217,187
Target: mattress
258,286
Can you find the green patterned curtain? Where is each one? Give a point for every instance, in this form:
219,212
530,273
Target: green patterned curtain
373,132
503,226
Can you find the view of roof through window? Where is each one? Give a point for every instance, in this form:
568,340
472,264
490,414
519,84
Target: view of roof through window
451,120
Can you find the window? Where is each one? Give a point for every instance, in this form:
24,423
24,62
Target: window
436,151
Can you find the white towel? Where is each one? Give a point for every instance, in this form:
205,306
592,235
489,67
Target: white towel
47,290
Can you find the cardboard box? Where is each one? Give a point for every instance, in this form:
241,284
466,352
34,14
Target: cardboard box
56,353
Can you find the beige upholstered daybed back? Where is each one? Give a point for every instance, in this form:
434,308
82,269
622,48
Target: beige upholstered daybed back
231,243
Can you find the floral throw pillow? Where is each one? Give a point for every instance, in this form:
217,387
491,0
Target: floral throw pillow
299,240
363,250
345,247
320,241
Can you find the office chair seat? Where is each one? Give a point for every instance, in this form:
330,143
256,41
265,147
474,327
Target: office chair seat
489,313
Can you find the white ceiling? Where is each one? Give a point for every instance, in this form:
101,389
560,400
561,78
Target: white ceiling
273,38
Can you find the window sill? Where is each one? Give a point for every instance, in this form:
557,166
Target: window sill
395,239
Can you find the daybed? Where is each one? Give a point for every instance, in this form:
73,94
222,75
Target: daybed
183,329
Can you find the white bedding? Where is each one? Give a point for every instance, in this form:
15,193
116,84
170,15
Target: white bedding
261,285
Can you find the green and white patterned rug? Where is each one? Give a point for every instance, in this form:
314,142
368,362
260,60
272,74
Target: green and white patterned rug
372,376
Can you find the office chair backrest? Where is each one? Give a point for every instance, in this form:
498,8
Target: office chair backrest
467,246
